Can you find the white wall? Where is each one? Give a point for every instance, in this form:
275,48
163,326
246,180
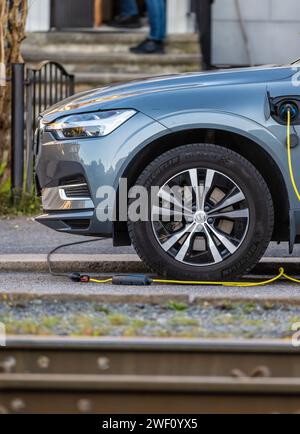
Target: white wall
179,19
38,15
272,26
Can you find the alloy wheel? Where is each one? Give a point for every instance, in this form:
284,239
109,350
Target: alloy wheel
201,217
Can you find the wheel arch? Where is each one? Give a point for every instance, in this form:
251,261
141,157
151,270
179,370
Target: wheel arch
239,143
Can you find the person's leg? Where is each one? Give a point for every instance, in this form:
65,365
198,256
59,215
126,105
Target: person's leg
157,19
154,44
129,8
129,15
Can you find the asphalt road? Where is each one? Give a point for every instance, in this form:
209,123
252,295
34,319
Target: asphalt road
39,284
24,235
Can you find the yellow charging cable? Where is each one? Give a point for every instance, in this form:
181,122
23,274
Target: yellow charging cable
291,171
281,274
116,280
239,284
101,281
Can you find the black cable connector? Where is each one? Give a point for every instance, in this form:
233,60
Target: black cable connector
80,278
131,280
134,280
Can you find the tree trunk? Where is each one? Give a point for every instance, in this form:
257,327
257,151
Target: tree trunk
3,20
13,14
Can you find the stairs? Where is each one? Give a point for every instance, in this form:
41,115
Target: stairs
99,58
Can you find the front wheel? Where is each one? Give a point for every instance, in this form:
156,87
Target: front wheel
212,218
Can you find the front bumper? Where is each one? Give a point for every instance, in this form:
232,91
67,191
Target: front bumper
69,174
66,214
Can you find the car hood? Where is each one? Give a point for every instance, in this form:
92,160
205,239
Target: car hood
123,95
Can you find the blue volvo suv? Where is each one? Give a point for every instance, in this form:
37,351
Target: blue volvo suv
219,137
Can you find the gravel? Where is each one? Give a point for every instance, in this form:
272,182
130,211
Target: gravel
202,320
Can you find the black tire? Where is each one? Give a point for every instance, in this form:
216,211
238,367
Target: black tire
245,176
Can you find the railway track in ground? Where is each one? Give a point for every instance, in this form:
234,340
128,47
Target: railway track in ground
113,376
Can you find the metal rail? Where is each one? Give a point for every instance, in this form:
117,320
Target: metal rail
143,376
17,129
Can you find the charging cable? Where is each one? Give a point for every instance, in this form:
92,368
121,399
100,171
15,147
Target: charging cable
75,277
290,162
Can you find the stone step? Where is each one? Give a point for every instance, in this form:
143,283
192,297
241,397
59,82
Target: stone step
98,49
117,62
99,58
109,41
83,57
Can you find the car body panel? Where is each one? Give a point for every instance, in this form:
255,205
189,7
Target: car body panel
232,100
135,94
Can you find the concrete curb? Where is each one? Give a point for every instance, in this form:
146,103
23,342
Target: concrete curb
65,263
122,263
140,298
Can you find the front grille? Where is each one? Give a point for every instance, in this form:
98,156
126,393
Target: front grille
72,180
77,191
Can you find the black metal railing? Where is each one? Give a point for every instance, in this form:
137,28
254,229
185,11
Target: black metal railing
33,91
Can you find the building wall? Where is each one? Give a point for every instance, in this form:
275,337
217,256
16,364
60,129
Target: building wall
272,26
179,17
38,15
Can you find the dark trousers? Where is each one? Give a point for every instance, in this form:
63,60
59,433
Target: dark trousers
204,16
156,12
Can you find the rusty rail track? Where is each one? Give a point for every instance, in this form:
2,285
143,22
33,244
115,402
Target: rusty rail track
148,376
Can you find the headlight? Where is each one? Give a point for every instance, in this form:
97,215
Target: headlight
89,124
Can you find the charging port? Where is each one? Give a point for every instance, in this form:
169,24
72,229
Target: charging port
282,105
285,108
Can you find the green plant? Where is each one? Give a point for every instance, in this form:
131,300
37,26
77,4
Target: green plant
253,323
179,307
102,309
117,319
249,308
49,322
269,306
28,204
226,305
183,321
226,319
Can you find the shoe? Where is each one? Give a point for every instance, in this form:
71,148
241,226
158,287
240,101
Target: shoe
149,46
130,22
